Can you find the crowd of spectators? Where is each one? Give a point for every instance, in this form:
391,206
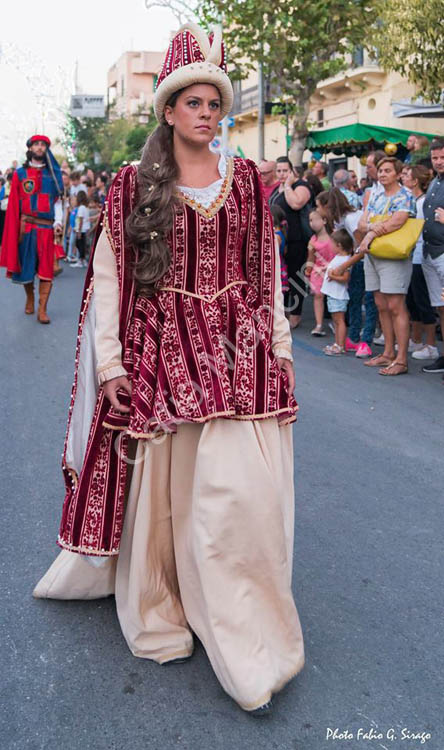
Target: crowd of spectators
83,197
327,222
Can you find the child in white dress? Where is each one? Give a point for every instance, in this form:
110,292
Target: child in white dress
335,287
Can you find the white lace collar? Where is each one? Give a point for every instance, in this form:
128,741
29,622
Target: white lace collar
207,195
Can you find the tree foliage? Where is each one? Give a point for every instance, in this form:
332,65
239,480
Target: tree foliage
106,144
82,136
299,44
409,40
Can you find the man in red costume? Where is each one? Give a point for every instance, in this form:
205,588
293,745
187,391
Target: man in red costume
34,214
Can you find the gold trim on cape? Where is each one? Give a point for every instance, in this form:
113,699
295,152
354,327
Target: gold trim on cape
202,420
107,229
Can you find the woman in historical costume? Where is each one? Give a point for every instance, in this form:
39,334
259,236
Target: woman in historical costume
178,458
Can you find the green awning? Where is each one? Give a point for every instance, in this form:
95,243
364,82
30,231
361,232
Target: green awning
357,134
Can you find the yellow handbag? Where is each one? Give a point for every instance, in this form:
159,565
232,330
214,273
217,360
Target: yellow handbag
399,244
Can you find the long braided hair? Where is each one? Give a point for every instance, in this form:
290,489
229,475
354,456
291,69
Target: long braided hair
152,218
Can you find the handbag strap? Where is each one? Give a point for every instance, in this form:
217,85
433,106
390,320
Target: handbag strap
386,207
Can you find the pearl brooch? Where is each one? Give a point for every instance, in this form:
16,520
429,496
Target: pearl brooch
156,166
147,211
153,235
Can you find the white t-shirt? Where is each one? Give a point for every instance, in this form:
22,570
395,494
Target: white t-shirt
350,223
74,189
335,289
83,213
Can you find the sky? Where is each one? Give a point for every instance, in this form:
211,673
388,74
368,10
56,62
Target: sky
39,46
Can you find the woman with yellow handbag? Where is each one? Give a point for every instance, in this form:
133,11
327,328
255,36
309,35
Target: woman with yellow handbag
389,238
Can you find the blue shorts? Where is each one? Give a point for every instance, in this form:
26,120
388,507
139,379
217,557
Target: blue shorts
336,305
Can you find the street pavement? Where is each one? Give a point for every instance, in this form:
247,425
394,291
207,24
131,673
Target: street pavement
368,569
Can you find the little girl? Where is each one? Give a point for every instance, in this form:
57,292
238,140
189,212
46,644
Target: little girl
335,287
280,233
83,225
72,251
320,253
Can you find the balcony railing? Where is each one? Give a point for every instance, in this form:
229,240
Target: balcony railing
245,100
248,99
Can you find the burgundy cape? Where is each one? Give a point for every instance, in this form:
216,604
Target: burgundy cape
176,347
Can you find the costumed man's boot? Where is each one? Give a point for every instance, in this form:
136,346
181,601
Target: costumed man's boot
44,292
29,291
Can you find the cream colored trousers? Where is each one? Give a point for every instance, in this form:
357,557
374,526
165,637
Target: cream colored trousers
207,547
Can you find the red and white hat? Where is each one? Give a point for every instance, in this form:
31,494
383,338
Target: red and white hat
193,57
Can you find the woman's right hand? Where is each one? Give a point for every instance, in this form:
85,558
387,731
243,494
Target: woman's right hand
364,247
110,388
287,366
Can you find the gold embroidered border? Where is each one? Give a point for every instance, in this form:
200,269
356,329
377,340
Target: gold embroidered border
74,476
265,415
197,420
202,420
107,229
212,210
112,427
86,550
203,297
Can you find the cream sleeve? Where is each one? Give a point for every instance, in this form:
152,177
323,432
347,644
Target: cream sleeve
281,342
106,297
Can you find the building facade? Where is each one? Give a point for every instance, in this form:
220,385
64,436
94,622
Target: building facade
131,83
364,93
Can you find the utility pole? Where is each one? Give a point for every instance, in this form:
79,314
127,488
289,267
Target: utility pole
261,112
287,129
76,78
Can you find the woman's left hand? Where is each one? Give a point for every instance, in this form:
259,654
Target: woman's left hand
290,180
439,215
287,367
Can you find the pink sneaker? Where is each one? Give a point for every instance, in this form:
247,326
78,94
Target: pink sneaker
350,345
363,351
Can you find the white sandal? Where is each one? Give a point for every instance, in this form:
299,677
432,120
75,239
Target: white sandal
318,331
334,350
